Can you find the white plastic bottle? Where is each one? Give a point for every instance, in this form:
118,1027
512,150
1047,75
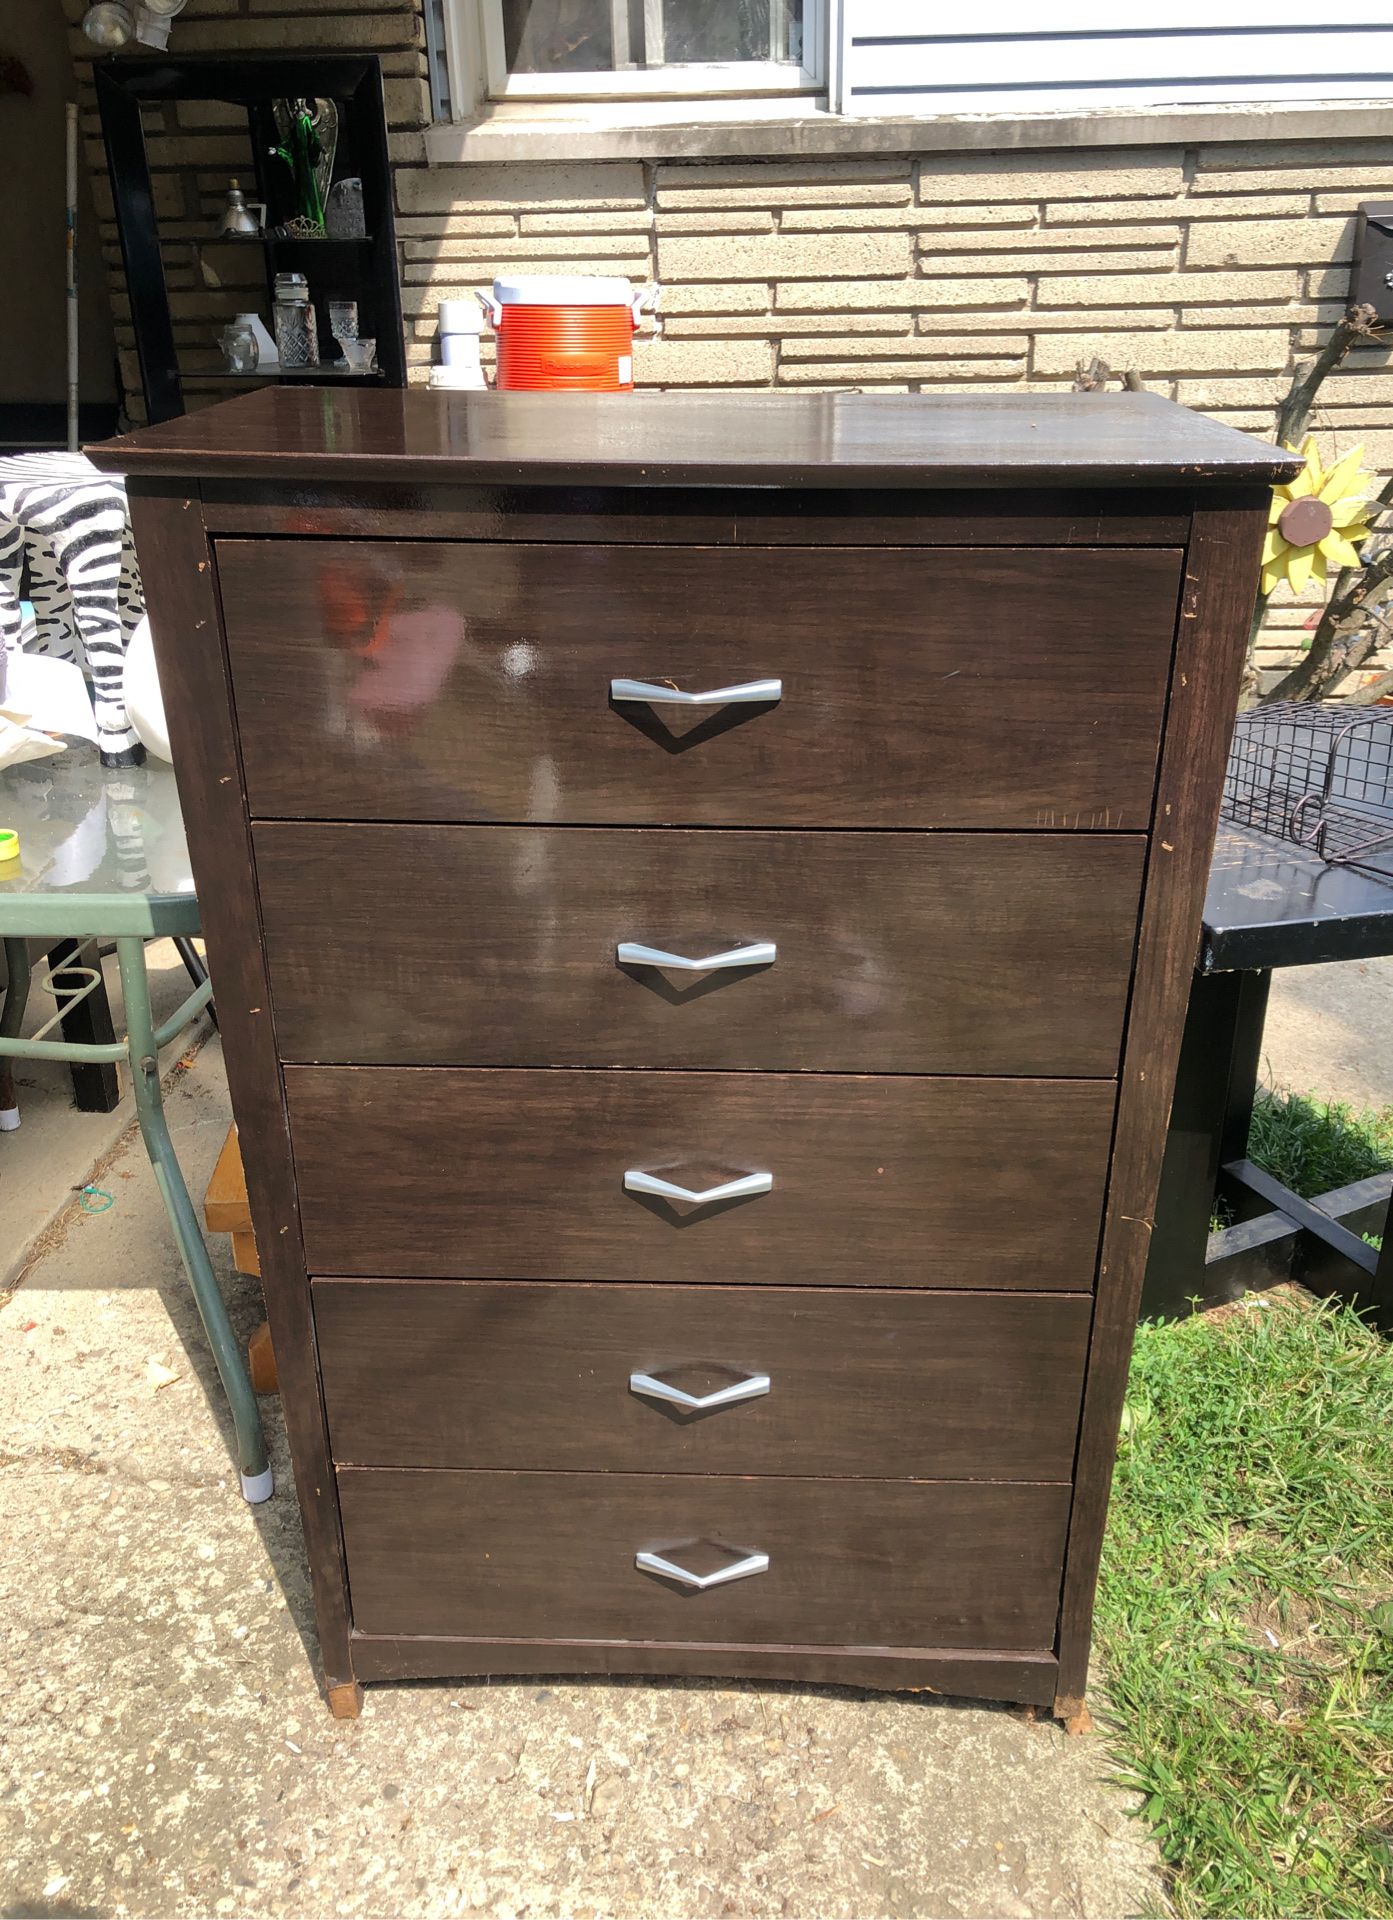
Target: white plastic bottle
460,322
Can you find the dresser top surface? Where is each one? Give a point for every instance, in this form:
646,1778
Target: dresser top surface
699,439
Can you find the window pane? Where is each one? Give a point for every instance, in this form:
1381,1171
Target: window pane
579,36
557,36
728,30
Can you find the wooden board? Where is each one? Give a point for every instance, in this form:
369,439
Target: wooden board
226,1208
245,1257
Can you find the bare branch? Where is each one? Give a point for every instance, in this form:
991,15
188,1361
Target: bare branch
1359,324
1370,695
1342,645
1353,660
1092,376
1383,499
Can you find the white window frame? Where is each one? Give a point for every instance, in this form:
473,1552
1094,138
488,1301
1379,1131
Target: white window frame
749,79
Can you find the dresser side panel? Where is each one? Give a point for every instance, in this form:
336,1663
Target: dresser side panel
181,586
1216,607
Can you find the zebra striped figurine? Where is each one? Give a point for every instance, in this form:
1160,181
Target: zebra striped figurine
69,522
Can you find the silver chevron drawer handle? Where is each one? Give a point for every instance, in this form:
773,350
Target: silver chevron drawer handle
653,1388
637,1181
629,953
737,1570
748,693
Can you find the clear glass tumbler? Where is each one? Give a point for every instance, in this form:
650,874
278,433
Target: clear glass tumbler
239,345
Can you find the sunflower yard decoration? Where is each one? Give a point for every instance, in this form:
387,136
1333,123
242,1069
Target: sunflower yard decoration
1316,520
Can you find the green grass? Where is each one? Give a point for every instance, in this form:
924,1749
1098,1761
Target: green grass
1313,1146
1253,1504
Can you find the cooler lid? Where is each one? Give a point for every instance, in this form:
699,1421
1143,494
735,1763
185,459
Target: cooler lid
562,290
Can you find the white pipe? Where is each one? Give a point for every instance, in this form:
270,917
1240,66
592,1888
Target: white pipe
72,275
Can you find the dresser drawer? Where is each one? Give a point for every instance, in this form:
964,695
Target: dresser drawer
421,680
928,1386
893,953
520,1175
527,1555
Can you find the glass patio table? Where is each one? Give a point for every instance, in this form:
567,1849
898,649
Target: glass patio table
102,857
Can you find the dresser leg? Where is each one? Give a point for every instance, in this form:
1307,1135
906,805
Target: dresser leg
1072,1713
346,1700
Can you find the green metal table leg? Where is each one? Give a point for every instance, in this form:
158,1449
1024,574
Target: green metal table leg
149,1106
11,1019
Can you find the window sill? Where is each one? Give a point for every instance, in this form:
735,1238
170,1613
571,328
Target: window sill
768,130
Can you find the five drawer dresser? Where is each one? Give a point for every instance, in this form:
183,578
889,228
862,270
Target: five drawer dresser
700,892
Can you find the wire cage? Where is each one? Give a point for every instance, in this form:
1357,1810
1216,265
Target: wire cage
1320,776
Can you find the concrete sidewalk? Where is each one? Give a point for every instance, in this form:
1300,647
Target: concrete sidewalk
1330,1032
55,1147
164,1750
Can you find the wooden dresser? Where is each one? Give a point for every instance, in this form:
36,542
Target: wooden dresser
700,892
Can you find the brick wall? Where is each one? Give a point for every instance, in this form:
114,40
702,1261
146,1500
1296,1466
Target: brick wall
1210,272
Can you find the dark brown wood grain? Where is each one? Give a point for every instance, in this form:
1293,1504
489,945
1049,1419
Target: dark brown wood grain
1221,576
516,1174
1028,1678
896,952
883,1562
346,435
921,687
1066,516
927,1386
177,564
1072,517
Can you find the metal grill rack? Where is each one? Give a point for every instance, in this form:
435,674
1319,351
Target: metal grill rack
1320,776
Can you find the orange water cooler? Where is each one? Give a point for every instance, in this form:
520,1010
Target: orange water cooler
566,333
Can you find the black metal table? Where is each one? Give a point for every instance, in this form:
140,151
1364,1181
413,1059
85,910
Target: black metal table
1269,905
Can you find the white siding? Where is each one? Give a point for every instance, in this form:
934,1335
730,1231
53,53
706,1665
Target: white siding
915,56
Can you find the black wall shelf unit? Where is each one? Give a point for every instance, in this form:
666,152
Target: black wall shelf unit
362,269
